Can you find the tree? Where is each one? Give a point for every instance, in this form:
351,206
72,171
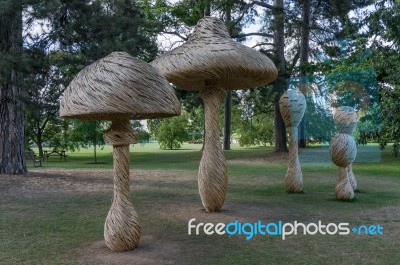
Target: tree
42,80
280,82
259,130
79,33
319,123
12,155
88,133
143,135
369,126
96,28
384,31
171,133
228,98
304,54
196,124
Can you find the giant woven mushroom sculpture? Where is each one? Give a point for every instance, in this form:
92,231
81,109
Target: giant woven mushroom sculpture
211,63
346,121
119,87
292,106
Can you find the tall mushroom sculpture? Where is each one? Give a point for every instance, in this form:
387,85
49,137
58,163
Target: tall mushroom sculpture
346,122
118,88
292,106
211,62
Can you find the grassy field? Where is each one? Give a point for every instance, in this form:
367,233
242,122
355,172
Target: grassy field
55,214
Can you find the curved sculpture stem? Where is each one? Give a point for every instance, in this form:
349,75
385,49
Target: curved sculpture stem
294,176
343,189
212,176
121,229
352,178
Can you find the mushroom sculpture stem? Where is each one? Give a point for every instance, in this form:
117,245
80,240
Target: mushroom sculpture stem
346,122
343,150
212,176
294,176
292,105
352,178
121,229
343,189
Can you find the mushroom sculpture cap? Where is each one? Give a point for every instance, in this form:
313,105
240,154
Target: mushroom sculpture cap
116,85
292,105
211,57
345,119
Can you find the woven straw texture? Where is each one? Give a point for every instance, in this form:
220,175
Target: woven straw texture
211,63
352,178
119,84
212,176
343,189
343,150
294,176
292,106
118,88
121,229
210,54
346,122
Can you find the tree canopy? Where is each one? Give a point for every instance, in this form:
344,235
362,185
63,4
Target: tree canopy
353,45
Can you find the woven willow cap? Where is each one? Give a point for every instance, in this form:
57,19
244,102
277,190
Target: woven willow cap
345,119
211,57
119,85
292,105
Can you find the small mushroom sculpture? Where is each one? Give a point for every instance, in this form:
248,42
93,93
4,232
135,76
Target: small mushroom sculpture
343,151
211,62
118,88
346,121
292,106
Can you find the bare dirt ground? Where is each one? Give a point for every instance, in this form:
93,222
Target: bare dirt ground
154,248
58,183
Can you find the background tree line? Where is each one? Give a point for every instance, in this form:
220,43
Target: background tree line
44,44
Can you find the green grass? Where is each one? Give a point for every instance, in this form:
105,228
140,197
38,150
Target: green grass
141,157
149,156
47,229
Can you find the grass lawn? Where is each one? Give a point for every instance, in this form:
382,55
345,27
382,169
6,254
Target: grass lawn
55,214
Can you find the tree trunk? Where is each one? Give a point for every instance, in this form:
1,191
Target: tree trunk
227,121
279,84
39,143
228,99
280,131
12,155
304,54
207,10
